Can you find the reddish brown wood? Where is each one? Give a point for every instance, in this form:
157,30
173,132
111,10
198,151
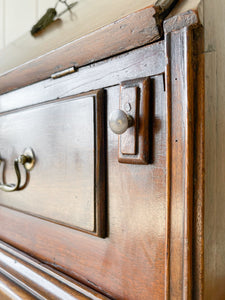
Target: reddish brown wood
130,263
154,230
100,184
199,165
180,161
10,289
141,129
125,34
112,72
24,277
70,161
129,103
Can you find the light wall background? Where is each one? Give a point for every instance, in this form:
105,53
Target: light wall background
18,16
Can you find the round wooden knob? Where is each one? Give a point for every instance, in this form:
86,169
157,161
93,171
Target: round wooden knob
119,121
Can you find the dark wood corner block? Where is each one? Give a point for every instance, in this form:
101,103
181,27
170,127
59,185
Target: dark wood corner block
186,19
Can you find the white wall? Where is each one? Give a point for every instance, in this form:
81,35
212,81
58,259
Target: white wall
18,16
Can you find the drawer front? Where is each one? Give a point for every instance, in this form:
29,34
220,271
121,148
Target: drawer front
67,137
101,209
113,217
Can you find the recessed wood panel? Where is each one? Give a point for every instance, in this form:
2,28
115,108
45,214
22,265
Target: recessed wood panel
67,137
131,262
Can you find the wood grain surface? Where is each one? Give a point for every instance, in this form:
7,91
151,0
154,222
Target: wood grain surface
154,231
69,176
179,74
23,277
86,17
125,34
146,61
199,165
142,131
130,262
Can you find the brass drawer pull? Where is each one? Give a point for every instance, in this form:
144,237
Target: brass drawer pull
27,159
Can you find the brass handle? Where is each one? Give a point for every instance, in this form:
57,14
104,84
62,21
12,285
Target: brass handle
27,159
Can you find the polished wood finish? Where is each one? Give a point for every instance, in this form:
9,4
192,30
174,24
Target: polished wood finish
119,264
140,132
67,184
129,102
24,277
100,165
165,222
180,159
88,78
198,168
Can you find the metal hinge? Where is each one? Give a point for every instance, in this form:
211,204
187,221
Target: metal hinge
64,72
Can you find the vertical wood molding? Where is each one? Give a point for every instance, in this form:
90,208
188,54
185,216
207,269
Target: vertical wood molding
179,76
168,160
199,168
100,165
188,206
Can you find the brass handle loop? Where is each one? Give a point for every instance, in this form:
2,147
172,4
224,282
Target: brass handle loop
27,159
